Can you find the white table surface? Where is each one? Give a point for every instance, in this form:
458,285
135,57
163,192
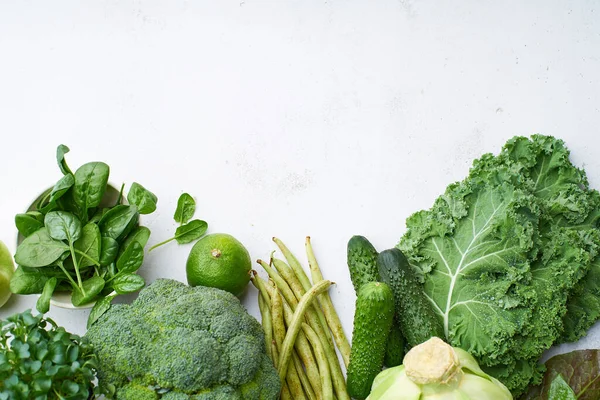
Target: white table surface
287,118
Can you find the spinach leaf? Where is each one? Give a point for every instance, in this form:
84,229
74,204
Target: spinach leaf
119,221
62,186
39,249
101,306
43,302
88,244
144,199
32,280
191,231
560,390
27,224
140,234
109,250
62,225
61,150
131,259
92,287
90,184
128,283
186,207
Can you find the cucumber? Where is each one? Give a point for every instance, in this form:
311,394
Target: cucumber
362,262
416,316
372,322
394,348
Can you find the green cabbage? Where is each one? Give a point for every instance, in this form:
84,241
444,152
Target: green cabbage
509,257
435,370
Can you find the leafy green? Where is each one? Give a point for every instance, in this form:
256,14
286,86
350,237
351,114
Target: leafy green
504,252
101,306
128,283
186,207
39,249
88,246
61,150
43,303
186,233
62,225
90,289
90,184
62,186
43,360
131,259
110,248
142,198
27,224
574,375
119,221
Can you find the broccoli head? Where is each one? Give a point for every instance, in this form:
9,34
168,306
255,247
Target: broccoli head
179,342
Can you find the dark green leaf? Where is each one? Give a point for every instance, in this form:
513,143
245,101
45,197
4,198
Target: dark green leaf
61,150
32,280
39,250
90,184
131,259
109,250
62,186
191,231
89,244
119,221
144,199
27,224
560,390
43,303
140,234
186,207
101,306
92,287
62,225
128,283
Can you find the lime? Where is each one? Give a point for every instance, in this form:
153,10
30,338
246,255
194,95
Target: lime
7,267
219,260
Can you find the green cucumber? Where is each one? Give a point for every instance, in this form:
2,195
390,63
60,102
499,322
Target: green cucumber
394,349
416,315
372,322
362,262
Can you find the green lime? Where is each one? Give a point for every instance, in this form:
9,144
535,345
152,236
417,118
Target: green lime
221,261
7,267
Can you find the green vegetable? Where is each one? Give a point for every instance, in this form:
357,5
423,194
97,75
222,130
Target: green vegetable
509,257
435,370
415,313
43,360
186,207
178,341
372,324
7,268
142,198
63,249
574,375
394,348
187,232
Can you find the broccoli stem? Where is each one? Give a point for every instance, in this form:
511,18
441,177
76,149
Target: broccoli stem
333,320
321,360
294,327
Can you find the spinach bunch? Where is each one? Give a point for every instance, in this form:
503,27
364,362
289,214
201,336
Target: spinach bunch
40,360
74,242
187,231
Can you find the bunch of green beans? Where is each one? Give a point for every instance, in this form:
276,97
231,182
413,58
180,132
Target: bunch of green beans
302,328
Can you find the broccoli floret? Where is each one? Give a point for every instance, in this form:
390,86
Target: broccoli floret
180,342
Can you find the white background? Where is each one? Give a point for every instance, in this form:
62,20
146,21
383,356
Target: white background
287,118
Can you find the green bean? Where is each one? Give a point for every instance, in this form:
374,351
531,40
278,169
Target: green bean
266,324
333,320
321,360
308,390
296,324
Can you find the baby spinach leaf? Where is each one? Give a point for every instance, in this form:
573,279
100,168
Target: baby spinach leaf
131,259
62,225
90,184
43,302
61,150
191,231
32,280
27,224
39,249
61,187
119,221
92,287
88,244
128,283
144,199
186,207
101,306
140,234
109,250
